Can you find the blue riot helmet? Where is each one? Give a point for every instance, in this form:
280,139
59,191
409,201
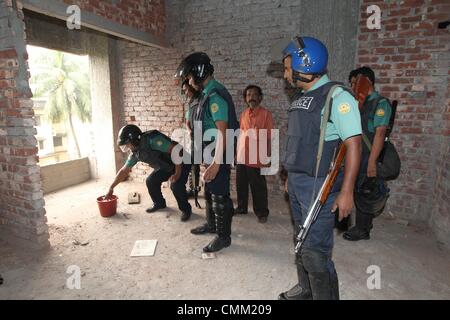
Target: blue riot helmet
309,56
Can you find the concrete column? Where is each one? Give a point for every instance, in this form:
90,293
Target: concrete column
104,165
22,213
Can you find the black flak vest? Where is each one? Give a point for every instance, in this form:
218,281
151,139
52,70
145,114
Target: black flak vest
154,158
303,135
197,117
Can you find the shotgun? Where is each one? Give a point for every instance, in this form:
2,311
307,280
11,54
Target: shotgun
322,196
195,184
194,168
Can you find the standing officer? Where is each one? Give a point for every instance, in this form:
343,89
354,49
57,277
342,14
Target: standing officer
305,66
154,148
213,116
375,116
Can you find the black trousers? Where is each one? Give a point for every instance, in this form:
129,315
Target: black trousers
246,176
363,221
157,177
221,184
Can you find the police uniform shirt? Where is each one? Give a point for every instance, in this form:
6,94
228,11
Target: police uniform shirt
217,109
157,142
345,117
382,113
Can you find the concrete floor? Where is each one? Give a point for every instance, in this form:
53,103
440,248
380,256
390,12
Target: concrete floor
258,265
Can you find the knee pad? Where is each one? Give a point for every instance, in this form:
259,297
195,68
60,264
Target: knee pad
314,260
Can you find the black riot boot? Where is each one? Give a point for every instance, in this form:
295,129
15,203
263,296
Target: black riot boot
324,285
222,207
210,225
334,286
302,290
361,230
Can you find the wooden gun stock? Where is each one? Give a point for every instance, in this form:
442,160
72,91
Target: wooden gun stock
334,171
361,90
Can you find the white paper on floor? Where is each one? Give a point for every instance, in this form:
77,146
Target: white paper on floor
144,248
208,255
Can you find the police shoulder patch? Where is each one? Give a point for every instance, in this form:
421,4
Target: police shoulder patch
214,107
380,112
344,108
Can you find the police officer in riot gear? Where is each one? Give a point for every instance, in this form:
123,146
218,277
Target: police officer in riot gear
154,148
371,192
305,66
214,114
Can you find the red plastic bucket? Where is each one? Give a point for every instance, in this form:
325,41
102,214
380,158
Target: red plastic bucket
107,206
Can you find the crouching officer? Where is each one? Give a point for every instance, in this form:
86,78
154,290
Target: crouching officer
371,191
214,114
305,66
154,148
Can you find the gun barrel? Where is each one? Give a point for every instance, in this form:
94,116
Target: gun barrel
304,229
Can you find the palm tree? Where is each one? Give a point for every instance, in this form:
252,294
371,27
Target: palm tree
65,84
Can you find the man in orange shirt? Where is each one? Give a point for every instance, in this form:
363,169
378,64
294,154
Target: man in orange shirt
253,154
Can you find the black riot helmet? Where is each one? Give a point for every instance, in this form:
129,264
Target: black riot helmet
371,196
129,134
196,64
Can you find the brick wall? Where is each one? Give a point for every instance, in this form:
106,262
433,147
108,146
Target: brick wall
238,36
150,98
143,15
410,56
22,213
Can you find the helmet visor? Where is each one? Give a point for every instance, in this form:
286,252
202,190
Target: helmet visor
182,70
125,148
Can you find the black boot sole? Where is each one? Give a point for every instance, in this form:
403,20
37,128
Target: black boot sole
186,217
223,245
282,296
202,232
151,210
350,238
